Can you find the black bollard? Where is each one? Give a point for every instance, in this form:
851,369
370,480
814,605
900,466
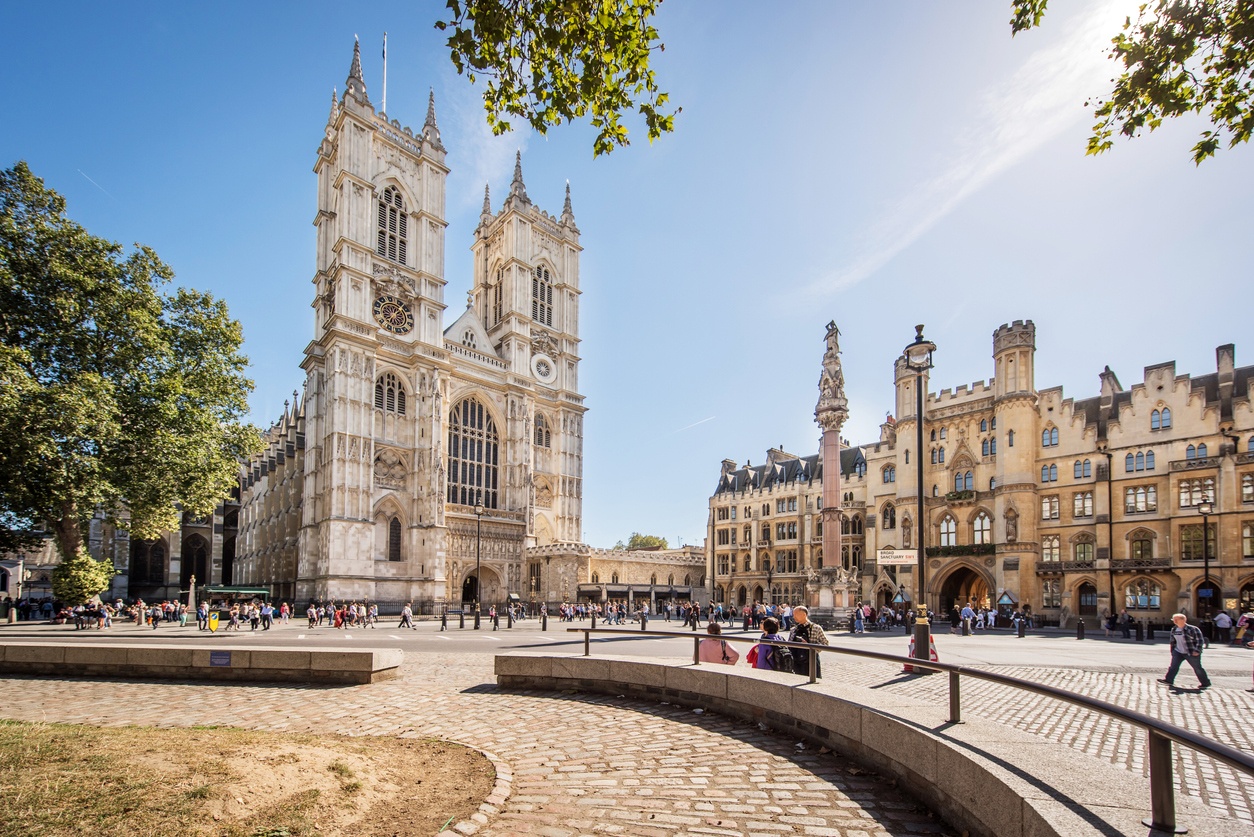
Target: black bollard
1140,632
476,620
461,619
1079,629
509,619
644,621
594,620
1023,628
444,621
544,620
496,621
1149,631
966,629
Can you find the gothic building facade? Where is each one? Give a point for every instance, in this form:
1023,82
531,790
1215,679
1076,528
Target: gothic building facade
421,460
1139,498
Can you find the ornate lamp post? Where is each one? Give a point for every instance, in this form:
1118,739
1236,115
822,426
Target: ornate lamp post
919,358
478,574
1205,510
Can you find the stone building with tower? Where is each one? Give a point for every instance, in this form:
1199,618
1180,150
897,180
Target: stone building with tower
1139,498
420,462
422,458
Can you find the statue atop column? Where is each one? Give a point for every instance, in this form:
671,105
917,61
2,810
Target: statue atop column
833,407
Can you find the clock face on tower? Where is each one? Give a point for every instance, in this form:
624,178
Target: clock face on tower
393,315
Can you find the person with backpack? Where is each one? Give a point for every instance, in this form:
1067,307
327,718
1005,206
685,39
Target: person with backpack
772,657
806,631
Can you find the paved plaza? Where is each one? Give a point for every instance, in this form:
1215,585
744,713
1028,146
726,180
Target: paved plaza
590,764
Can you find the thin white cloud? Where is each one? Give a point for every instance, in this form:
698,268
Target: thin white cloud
694,424
483,157
1017,116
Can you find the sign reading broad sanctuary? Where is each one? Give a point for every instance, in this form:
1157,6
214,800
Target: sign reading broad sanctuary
897,557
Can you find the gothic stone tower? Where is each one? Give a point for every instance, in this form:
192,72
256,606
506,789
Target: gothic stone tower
372,371
434,456
526,297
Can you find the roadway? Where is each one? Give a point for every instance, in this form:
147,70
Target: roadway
1230,667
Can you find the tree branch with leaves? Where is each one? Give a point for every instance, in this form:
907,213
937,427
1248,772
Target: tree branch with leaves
1178,57
550,62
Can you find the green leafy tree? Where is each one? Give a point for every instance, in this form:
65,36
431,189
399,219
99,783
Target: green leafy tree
78,579
553,61
113,395
1178,57
639,541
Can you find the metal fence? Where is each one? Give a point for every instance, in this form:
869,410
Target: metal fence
1160,734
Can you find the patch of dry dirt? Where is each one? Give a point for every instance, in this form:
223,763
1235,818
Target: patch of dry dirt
60,779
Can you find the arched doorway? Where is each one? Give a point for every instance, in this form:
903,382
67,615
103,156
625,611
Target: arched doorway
1086,595
742,597
884,597
758,594
1246,602
1206,599
492,591
963,585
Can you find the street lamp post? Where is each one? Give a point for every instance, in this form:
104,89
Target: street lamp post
919,359
478,574
1205,510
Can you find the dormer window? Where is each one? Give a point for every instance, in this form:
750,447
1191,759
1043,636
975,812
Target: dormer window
393,225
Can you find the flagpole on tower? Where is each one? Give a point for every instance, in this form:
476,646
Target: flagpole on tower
385,72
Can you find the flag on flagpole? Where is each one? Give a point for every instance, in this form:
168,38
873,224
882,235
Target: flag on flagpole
384,108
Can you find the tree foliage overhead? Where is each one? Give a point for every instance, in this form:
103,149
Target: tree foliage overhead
113,395
1178,57
554,61
639,541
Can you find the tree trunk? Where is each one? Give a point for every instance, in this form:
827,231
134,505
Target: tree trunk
69,532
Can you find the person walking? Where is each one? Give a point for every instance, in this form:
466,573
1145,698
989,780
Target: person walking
1186,646
407,617
1223,624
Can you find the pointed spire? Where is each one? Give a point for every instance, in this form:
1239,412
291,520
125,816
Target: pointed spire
430,131
355,85
517,189
335,105
568,214
487,202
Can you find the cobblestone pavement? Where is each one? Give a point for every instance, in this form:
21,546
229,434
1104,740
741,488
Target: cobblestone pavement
579,764
1223,714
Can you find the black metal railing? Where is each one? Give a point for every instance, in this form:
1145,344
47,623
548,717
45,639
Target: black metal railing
1160,734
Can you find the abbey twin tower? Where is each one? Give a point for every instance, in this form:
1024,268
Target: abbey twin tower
418,451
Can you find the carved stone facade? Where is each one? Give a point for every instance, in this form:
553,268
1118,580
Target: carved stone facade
431,458
1070,508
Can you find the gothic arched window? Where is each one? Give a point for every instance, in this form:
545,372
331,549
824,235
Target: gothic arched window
389,395
148,562
544,438
542,296
394,539
948,531
473,460
889,515
393,226
982,529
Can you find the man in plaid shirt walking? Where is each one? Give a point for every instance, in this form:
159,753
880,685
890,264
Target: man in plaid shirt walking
1186,647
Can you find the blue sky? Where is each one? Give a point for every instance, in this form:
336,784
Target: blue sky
877,163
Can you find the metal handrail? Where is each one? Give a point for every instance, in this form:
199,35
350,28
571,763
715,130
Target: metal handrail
1160,734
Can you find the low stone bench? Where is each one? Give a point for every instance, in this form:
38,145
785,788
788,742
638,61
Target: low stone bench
167,662
979,776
